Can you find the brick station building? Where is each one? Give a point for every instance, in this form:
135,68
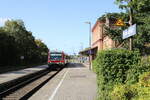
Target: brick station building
100,41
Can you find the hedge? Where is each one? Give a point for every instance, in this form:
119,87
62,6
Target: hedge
114,67
137,91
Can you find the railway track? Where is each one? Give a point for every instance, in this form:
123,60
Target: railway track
26,88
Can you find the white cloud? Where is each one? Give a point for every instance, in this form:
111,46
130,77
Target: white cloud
3,20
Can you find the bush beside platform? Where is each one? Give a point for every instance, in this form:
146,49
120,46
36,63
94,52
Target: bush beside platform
118,74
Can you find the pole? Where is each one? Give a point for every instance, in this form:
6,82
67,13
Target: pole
130,23
90,67
90,34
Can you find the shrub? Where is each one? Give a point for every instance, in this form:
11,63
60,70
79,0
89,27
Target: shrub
112,67
134,73
138,91
145,79
124,92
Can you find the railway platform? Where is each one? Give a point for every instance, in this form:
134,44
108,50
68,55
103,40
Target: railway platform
6,77
75,82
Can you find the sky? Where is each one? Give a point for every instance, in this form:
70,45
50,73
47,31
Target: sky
60,24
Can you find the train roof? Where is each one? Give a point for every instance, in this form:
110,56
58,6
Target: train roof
56,52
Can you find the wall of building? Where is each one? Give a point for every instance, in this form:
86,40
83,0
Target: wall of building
99,39
97,35
108,43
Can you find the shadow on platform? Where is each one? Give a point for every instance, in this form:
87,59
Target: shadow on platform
75,65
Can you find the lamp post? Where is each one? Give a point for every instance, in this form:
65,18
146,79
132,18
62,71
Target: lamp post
90,67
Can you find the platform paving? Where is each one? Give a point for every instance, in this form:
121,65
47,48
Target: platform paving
76,82
5,77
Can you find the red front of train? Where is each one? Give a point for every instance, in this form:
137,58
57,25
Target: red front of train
56,58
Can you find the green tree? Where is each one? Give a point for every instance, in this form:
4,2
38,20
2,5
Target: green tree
24,40
17,41
42,50
138,6
141,16
7,49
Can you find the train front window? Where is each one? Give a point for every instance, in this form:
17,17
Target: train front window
55,57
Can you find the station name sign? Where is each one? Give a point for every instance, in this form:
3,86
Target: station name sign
129,32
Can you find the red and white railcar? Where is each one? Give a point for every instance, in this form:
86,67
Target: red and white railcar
56,58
